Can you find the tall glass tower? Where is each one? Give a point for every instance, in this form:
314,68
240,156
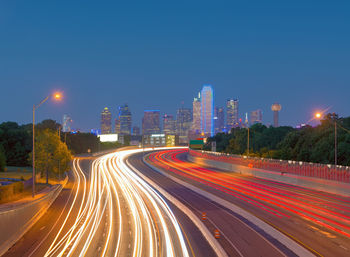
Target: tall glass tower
151,122
125,120
196,115
207,110
106,122
232,113
183,124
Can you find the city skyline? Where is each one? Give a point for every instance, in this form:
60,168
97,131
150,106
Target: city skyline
175,128
261,57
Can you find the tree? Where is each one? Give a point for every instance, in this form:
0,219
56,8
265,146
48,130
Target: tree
50,152
80,142
316,144
48,124
16,143
2,159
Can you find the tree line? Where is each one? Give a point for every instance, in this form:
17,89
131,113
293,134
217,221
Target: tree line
308,144
53,147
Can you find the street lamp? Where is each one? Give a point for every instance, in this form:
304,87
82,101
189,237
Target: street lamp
55,96
333,115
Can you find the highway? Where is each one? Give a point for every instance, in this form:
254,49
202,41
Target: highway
118,205
107,210
317,221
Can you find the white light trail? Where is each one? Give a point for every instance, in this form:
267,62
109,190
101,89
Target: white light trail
116,213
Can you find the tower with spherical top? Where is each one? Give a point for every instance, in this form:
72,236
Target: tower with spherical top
276,107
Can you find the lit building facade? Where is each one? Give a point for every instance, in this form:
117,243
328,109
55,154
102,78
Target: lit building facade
207,110
256,116
171,140
196,115
125,120
169,125
136,131
106,121
117,126
232,119
219,119
154,140
151,122
183,124
66,124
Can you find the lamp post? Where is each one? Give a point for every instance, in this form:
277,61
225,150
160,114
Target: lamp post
318,115
56,96
335,140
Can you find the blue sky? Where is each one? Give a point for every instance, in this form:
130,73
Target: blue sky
156,54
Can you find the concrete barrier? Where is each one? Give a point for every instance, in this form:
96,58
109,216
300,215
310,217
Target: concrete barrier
17,219
329,186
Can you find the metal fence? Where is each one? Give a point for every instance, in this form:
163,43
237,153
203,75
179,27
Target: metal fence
315,170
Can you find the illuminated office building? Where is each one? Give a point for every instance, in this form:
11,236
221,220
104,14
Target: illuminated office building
169,125
232,119
196,115
183,124
256,116
151,122
136,131
207,110
125,120
117,125
219,119
106,121
66,124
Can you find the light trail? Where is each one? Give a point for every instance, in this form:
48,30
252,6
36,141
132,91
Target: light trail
278,199
115,213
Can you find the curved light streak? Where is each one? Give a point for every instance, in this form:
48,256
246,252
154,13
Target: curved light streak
279,199
115,213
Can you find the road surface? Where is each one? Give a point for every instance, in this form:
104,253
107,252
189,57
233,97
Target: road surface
318,221
107,210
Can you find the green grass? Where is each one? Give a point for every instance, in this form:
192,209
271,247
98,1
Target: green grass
17,172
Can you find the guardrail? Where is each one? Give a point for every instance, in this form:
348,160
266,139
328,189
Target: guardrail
315,170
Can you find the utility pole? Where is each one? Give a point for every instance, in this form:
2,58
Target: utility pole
334,117
248,142
335,143
33,153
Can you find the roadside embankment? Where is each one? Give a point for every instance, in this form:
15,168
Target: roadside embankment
18,217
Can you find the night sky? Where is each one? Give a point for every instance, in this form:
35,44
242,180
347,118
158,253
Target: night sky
156,54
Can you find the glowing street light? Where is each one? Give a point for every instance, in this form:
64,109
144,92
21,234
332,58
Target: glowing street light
318,116
56,96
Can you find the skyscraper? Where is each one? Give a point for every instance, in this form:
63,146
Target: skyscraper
256,116
136,131
219,119
231,113
66,124
207,110
183,124
106,121
196,115
151,122
125,120
169,124
117,125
